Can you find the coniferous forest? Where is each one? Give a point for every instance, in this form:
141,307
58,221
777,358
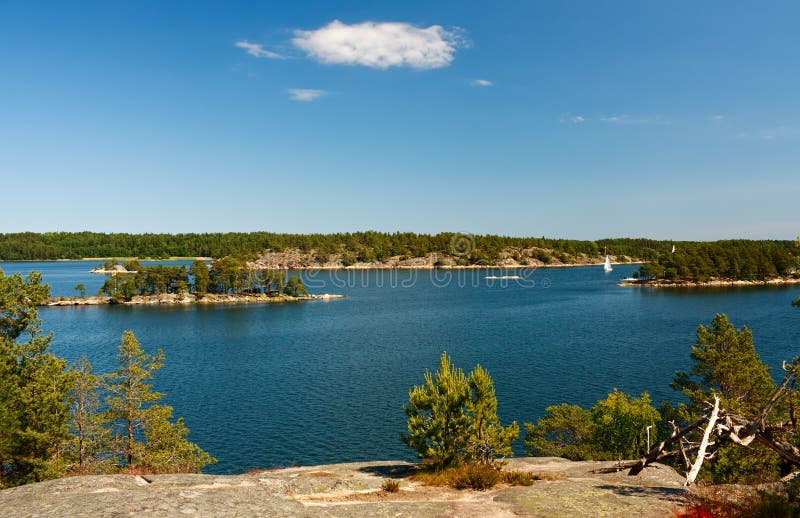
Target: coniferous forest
691,260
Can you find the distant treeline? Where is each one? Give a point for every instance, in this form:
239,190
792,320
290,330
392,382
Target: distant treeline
366,246
737,260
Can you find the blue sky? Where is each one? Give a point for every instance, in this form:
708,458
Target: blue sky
585,120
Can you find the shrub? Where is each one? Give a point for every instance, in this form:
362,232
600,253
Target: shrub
477,476
390,485
615,427
519,478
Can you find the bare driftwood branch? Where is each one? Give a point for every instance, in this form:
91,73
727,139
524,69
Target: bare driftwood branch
704,444
787,451
758,424
681,449
620,466
720,423
653,455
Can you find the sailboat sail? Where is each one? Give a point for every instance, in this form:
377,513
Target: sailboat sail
607,265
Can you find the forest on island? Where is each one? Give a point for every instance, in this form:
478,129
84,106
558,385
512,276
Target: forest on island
736,260
366,246
691,260
225,275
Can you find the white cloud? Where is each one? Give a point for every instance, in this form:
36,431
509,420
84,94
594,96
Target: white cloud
778,132
305,94
627,119
481,82
380,45
257,50
717,117
572,119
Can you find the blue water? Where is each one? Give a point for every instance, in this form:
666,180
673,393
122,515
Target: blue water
323,382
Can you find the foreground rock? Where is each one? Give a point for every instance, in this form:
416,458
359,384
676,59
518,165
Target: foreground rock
354,490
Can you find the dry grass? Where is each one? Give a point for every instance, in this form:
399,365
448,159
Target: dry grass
390,485
477,476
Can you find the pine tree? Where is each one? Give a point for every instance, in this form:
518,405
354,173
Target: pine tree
133,415
130,395
33,387
488,439
452,418
89,440
437,418
202,279
726,364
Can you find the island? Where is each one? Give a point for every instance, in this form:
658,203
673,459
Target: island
224,281
187,298
741,263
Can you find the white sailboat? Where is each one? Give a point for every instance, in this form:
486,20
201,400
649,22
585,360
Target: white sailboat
607,265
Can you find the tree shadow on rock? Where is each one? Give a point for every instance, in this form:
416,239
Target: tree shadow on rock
390,470
674,494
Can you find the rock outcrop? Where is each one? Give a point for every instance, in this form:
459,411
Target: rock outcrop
571,489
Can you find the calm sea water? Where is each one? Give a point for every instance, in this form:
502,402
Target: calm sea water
323,382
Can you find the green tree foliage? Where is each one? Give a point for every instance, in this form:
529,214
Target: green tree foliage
622,424
228,275
294,287
725,363
50,418
271,281
202,280
130,395
89,439
33,386
488,438
732,260
80,288
437,417
614,428
565,431
133,416
452,418
166,448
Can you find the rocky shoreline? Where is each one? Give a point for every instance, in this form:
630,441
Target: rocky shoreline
294,259
714,283
186,299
